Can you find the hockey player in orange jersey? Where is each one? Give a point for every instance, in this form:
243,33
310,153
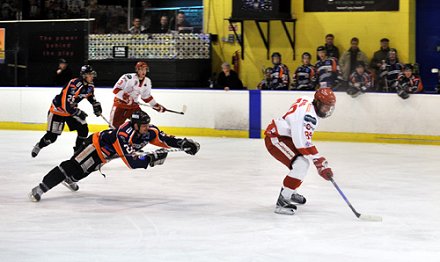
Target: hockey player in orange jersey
289,140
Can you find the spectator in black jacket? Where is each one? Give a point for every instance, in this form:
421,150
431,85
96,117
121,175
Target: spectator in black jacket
63,73
162,28
228,79
332,50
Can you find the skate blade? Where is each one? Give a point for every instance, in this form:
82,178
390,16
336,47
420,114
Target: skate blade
285,211
32,198
69,187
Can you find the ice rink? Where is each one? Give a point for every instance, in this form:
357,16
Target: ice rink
218,206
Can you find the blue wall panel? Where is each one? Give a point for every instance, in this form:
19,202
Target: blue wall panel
428,40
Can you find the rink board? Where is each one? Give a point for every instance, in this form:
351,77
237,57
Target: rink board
372,117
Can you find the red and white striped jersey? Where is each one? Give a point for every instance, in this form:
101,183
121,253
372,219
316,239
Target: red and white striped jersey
128,89
299,123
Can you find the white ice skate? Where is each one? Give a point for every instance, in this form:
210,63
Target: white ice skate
285,206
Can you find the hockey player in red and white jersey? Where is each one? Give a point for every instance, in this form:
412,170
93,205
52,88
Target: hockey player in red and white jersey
127,91
289,140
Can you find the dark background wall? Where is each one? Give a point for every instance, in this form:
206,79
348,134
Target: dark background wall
428,40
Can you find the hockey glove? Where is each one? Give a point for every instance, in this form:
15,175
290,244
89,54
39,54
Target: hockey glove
159,108
323,169
189,146
81,114
157,157
97,109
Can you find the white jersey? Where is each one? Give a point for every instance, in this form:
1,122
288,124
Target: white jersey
129,88
299,123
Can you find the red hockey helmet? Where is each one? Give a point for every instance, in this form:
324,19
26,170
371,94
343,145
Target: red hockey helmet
325,101
141,64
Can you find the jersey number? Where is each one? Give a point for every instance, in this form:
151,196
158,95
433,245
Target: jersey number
300,102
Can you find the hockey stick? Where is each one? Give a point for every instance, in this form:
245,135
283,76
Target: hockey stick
163,149
167,110
108,122
358,215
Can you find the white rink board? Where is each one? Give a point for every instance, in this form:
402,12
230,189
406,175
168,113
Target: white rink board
218,109
369,113
205,109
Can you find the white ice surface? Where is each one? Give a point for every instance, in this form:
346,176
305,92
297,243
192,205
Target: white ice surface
218,206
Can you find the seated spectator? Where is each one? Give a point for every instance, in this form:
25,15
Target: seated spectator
137,27
360,81
228,78
389,72
379,57
408,82
330,48
63,73
328,73
163,27
264,84
180,24
304,77
350,58
279,79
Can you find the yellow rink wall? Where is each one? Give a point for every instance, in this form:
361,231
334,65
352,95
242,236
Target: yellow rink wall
312,27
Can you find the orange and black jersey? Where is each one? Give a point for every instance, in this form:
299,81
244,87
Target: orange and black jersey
125,141
66,103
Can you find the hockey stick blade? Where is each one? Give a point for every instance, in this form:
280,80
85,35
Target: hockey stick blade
370,218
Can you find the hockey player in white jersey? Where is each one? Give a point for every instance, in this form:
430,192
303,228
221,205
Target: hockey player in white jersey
127,91
289,140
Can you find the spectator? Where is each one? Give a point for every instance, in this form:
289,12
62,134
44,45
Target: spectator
163,27
350,58
264,84
389,72
327,70
359,81
228,78
279,79
380,56
137,27
304,77
63,73
331,49
180,24
408,82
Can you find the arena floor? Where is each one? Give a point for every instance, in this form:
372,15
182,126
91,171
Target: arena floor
218,206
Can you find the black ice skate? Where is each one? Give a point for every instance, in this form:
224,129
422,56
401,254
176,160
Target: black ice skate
35,150
36,193
70,184
297,198
285,206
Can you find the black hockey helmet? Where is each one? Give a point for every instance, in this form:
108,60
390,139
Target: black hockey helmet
274,54
320,48
360,64
140,117
408,67
306,54
87,69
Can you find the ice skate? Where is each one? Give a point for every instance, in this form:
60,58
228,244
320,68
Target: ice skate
285,206
297,198
36,193
70,184
35,150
